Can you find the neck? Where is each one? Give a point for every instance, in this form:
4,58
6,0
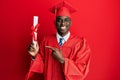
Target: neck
62,34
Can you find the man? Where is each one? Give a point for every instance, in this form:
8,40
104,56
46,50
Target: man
63,56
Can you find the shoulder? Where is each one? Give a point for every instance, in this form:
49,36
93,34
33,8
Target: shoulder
77,38
80,42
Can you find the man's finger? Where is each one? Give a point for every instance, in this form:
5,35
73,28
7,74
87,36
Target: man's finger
49,47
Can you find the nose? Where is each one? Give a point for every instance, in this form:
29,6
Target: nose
63,23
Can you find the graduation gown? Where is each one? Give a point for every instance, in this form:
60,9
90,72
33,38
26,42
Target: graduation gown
77,58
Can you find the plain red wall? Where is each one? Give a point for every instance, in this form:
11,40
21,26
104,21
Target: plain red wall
97,20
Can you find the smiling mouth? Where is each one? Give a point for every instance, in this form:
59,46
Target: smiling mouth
63,27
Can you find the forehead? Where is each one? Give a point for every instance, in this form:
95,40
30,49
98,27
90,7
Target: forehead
62,17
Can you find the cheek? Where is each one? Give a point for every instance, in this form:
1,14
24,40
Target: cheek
58,24
68,24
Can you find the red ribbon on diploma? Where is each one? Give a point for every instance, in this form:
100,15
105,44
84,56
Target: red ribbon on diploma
34,30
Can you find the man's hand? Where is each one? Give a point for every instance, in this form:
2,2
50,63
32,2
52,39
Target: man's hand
33,51
57,54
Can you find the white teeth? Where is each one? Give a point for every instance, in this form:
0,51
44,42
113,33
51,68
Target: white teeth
63,27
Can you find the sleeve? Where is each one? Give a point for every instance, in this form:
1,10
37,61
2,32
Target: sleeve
37,65
77,67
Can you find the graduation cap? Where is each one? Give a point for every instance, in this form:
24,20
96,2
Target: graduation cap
62,9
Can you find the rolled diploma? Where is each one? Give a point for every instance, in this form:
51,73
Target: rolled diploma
35,22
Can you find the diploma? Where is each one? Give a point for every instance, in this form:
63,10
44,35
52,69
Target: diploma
35,23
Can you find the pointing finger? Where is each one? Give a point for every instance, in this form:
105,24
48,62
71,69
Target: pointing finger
49,47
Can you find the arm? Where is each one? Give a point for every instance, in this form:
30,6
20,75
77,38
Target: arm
37,64
77,67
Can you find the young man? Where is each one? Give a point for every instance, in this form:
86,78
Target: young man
63,56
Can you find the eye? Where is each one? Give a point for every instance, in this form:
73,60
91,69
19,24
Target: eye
58,20
67,20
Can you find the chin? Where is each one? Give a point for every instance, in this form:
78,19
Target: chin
63,32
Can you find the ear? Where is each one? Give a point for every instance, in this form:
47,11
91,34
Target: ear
70,22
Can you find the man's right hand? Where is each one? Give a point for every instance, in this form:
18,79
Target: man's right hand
33,51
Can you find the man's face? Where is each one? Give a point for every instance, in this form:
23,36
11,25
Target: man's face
63,24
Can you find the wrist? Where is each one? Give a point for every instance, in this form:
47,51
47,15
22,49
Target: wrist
62,61
34,56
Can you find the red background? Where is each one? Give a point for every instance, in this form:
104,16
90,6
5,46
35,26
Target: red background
97,20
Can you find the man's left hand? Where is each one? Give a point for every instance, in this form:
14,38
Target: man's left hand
57,54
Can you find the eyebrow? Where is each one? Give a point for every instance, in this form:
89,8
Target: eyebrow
61,18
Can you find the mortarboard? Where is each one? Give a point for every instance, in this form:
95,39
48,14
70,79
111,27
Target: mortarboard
62,9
